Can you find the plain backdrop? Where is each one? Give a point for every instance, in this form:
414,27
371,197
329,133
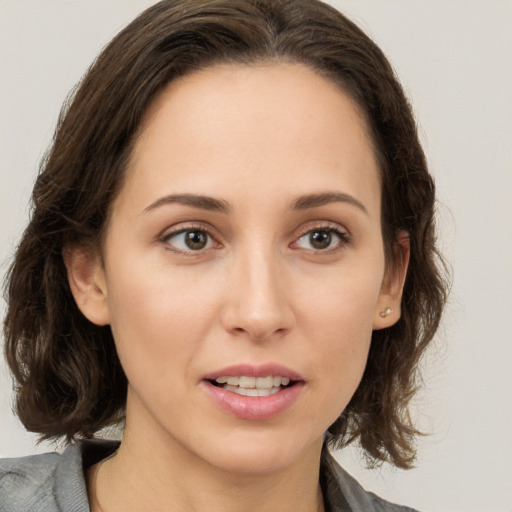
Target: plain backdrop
454,58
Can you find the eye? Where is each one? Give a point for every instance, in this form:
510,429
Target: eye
322,239
189,240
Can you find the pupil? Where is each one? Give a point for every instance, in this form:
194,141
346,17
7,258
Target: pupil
320,239
195,240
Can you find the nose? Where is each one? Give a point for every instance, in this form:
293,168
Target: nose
258,305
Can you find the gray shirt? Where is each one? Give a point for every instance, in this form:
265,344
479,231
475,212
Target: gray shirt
56,483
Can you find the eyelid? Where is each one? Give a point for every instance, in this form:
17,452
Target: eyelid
184,227
340,231
322,224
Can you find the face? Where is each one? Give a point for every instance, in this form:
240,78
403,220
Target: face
243,265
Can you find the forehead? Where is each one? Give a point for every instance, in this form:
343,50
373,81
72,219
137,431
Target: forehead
242,125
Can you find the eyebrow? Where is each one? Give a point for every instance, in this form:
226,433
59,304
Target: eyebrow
316,200
196,201
219,205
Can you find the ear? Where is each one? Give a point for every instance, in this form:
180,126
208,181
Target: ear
87,282
387,312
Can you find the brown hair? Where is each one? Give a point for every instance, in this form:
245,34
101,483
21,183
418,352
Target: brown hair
68,377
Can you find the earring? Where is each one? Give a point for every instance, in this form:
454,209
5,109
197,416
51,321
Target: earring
385,312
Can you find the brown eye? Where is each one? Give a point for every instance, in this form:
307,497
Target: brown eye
320,239
189,240
196,240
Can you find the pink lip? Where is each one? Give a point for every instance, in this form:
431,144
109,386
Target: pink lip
250,370
252,407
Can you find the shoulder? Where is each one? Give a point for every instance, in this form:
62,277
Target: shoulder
26,483
343,492
50,482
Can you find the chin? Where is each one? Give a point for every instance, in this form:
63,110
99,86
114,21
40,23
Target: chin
260,453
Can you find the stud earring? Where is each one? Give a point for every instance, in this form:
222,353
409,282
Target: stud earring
385,312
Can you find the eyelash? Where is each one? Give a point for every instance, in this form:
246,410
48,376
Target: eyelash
343,237
166,236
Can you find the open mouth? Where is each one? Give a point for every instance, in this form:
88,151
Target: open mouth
254,393
253,386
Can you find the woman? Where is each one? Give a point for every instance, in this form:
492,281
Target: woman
232,250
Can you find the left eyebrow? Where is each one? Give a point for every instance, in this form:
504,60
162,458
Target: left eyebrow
316,200
196,201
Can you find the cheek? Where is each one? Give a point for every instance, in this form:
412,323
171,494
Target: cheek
339,318
159,319
342,301
344,337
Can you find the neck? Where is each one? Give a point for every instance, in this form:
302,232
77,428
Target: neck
148,474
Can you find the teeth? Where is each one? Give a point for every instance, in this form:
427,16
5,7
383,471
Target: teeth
252,383
252,392
264,382
246,382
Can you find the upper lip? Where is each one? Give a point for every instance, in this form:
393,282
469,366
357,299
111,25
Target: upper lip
250,370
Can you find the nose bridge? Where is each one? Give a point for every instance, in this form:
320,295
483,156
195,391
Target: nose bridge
258,304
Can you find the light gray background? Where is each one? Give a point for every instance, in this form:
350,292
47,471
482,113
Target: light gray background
455,60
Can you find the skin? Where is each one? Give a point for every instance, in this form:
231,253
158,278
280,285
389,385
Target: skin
256,138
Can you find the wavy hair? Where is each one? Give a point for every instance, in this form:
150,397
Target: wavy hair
68,378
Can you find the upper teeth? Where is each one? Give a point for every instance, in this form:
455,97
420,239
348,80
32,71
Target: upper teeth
254,382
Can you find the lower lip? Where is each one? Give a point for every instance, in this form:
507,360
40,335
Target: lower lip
254,407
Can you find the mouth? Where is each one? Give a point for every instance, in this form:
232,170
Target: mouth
253,386
254,392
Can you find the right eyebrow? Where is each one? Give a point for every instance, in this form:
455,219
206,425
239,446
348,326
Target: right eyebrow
196,201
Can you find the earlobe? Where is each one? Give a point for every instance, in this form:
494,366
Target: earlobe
86,279
387,312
